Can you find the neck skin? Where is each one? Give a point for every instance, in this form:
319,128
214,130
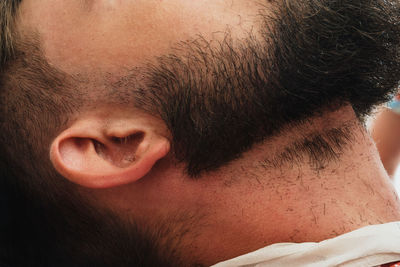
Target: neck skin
246,205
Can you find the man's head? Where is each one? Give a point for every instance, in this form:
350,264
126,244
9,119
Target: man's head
146,98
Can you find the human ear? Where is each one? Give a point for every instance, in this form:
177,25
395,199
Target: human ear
95,153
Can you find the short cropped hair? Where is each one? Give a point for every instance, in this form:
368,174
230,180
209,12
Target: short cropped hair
315,52
7,17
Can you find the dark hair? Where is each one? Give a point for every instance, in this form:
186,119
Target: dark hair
7,17
316,55
44,220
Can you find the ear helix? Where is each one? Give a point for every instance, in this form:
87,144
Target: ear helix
106,162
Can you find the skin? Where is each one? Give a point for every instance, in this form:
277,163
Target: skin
242,206
385,131
111,35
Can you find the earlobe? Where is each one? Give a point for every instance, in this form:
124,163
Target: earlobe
88,157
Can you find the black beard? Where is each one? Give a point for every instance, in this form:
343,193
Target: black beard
315,56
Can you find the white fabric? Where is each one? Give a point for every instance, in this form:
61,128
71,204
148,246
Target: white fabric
369,246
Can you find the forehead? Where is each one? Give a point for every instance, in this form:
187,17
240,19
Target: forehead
114,34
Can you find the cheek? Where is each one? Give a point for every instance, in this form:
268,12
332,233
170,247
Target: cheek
59,24
115,34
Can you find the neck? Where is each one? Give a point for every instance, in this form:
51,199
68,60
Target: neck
273,200
314,181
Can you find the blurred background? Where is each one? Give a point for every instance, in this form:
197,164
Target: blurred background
384,126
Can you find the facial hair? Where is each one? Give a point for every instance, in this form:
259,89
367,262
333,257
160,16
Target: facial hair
314,56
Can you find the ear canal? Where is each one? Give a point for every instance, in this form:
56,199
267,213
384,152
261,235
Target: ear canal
120,151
